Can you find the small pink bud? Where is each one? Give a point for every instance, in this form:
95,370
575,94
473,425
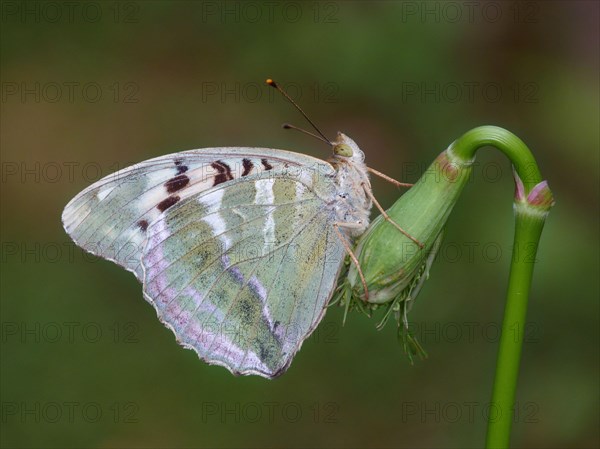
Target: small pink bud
538,200
541,195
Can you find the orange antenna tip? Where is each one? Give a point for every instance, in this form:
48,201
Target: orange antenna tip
270,82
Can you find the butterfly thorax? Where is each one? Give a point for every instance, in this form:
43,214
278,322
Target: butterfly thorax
353,205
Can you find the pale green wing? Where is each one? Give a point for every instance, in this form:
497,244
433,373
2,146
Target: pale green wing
110,217
242,273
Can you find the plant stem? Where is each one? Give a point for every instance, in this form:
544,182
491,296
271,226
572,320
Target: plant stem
467,145
528,229
527,236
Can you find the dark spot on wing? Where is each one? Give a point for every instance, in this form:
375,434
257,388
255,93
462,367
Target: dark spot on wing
223,172
266,164
248,165
177,183
143,224
181,168
219,179
166,203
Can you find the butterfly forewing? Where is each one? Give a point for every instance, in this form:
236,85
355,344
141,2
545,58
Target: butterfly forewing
110,217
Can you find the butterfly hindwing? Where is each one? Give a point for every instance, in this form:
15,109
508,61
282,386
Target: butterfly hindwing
242,273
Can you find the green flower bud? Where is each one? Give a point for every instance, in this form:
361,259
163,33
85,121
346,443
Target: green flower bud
394,266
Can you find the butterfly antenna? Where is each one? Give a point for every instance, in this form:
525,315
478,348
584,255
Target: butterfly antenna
288,126
272,83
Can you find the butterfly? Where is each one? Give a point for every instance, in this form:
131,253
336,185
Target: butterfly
238,249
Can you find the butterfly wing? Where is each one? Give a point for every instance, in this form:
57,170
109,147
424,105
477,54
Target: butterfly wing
240,266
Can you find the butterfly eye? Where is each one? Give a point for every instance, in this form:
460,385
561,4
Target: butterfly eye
342,150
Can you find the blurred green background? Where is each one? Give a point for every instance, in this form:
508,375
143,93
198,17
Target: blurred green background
88,88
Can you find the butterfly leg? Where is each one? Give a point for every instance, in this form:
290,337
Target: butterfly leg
336,228
389,179
387,217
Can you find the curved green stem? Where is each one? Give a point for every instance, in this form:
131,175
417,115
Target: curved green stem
467,145
529,222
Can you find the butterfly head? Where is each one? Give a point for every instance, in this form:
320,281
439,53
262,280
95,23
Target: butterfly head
345,148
